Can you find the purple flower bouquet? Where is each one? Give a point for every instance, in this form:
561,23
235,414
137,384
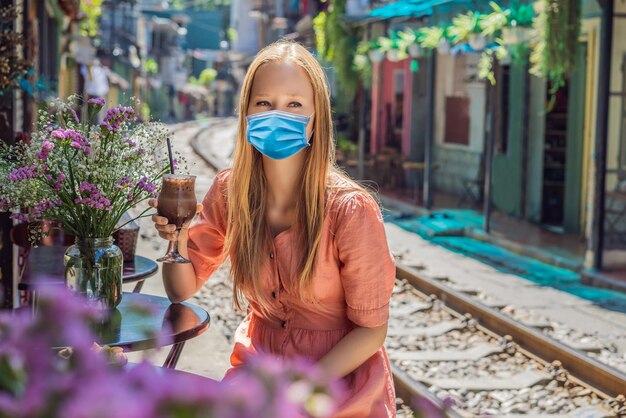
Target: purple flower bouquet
84,176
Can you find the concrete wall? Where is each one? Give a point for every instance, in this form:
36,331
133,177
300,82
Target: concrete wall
455,162
453,166
536,131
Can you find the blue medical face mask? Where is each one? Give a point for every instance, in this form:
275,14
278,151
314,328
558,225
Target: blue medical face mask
277,134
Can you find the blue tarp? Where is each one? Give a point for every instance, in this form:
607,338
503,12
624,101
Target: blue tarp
203,30
447,229
406,8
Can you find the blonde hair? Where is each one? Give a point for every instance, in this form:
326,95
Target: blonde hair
247,236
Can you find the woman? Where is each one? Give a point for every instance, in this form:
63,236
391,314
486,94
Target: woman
307,245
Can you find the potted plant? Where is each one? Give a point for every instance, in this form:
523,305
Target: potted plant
515,35
392,48
466,28
519,22
408,39
376,55
434,37
84,176
373,50
493,23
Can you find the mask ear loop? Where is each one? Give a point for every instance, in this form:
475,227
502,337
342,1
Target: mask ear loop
312,130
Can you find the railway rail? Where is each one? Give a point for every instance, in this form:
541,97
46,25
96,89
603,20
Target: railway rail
445,344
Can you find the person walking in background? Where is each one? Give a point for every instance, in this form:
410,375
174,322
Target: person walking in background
307,245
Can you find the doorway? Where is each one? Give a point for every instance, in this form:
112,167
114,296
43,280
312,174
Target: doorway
563,150
554,160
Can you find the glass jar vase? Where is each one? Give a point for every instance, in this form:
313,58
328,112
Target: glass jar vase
93,268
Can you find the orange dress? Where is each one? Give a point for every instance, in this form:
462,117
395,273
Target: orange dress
353,280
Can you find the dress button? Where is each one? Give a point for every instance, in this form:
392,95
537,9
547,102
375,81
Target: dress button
284,324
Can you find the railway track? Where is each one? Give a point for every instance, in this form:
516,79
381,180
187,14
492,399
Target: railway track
444,344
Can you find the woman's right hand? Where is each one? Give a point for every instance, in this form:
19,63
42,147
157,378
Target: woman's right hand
167,230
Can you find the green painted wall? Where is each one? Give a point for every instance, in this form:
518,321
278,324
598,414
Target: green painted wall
575,138
507,168
536,133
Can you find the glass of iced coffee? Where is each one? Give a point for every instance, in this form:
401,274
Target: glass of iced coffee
177,203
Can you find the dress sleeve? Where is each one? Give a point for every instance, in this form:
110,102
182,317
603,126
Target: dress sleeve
367,266
206,234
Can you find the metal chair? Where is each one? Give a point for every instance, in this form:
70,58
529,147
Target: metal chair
473,187
615,215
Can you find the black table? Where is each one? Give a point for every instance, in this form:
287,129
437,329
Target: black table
44,265
139,318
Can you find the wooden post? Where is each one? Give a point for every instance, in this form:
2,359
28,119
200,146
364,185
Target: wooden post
602,122
429,143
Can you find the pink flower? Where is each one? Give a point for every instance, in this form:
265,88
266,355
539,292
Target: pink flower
94,198
123,182
96,101
116,116
46,148
78,141
23,173
58,184
58,134
145,185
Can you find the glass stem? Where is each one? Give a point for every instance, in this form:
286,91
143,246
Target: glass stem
173,247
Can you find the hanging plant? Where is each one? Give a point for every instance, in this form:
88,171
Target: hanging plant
485,63
431,37
519,25
485,67
91,11
336,42
362,63
409,42
520,15
319,27
463,26
494,22
513,25
558,24
393,47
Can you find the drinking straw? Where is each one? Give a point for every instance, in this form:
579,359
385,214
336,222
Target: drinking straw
169,153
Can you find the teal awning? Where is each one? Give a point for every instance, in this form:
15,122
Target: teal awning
203,29
405,8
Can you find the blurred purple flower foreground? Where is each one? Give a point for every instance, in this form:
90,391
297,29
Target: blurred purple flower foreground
35,381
